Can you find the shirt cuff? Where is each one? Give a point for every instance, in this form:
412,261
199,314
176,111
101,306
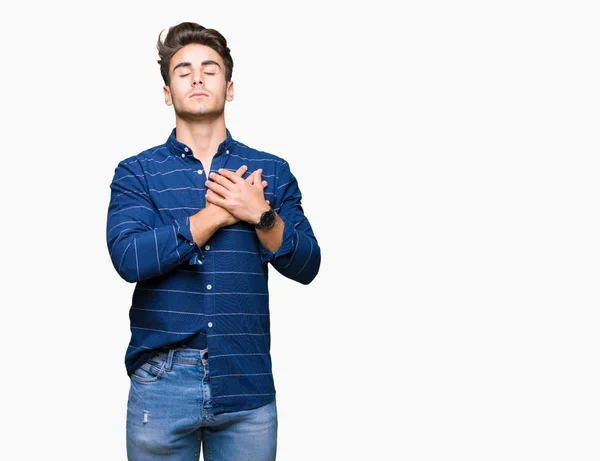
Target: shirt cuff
288,243
184,235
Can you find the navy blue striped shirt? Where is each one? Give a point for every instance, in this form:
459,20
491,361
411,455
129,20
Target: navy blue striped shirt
217,291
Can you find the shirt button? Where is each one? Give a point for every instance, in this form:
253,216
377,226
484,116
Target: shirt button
199,171
191,243
200,262
183,155
209,324
209,287
207,247
227,151
186,149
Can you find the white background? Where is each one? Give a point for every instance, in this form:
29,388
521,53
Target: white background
448,157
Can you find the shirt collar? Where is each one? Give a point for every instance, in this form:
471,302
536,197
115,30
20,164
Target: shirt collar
178,148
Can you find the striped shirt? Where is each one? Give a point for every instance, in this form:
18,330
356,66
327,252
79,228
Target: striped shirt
218,290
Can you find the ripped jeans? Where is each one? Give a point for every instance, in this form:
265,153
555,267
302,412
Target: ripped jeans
169,415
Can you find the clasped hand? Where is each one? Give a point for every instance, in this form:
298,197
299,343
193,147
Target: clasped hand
244,199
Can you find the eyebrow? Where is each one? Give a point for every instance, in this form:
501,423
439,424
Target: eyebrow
203,63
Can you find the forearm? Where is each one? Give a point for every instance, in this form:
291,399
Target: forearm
139,253
142,255
291,247
299,256
271,238
141,245
203,225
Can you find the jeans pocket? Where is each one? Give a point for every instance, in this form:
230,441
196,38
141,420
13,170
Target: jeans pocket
151,371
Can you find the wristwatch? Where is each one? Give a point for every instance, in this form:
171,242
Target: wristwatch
267,220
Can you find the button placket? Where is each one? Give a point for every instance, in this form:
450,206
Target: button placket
209,287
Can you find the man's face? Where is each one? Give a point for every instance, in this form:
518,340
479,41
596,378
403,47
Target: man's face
198,90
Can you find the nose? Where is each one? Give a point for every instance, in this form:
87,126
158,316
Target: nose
197,80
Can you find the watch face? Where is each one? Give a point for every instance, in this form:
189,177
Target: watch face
267,219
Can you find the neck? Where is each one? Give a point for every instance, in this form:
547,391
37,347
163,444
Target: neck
203,138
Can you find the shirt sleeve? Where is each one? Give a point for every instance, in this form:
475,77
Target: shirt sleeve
299,256
140,245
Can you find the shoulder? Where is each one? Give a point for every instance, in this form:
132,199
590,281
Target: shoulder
250,153
153,155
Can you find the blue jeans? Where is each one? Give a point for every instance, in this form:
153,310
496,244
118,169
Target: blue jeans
169,415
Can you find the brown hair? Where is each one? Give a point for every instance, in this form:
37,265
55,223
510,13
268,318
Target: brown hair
189,32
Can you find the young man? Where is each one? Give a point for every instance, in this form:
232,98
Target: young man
194,222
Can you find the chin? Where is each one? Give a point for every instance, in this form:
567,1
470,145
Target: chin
195,115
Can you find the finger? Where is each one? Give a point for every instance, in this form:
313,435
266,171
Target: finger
241,170
222,180
217,188
257,178
230,175
250,178
264,184
215,199
268,203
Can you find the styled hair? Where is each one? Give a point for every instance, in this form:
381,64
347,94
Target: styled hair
189,32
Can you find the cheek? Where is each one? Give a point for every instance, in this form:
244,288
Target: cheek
177,94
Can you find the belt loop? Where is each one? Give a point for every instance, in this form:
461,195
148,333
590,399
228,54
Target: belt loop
170,359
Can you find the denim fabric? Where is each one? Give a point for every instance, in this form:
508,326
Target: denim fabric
170,415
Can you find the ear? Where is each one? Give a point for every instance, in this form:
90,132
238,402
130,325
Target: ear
167,92
229,93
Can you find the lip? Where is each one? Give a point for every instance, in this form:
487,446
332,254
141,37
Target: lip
198,94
